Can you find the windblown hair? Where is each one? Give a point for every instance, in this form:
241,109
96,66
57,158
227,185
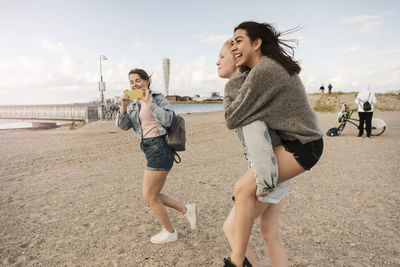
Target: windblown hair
228,43
272,45
142,74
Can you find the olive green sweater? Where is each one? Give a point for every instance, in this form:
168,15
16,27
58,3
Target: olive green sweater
268,93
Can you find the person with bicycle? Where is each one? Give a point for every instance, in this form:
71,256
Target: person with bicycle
150,116
366,95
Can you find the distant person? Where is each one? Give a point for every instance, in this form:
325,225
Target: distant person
365,115
258,141
149,117
271,92
322,89
329,89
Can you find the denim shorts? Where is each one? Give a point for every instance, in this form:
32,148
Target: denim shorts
158,155
258,141
307,155
276,196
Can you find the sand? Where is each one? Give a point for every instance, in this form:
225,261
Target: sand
74,198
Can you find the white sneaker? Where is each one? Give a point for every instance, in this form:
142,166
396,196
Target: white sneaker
164,237
191,215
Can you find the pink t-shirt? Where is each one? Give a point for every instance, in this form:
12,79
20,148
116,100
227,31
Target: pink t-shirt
147,121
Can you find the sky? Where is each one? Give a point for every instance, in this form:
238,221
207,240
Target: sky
51,50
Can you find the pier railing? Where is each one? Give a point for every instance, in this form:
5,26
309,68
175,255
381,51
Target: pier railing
50,113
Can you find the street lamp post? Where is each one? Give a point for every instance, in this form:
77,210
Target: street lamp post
102,86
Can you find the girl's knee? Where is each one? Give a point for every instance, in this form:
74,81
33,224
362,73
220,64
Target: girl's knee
270,234
149,198
242,190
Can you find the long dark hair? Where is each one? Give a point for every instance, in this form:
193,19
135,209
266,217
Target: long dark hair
272,46
142,74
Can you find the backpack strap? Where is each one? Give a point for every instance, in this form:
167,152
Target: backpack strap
359,102
176,155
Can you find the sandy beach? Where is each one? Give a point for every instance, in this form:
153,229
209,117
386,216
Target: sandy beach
74,198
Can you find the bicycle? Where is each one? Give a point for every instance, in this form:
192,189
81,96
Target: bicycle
378,126
110,112
115,111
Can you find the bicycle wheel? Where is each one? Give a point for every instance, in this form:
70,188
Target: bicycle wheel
341,127
108,116
378,127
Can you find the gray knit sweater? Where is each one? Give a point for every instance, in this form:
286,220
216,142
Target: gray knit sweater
268,93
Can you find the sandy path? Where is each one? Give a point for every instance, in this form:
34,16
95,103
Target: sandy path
67,198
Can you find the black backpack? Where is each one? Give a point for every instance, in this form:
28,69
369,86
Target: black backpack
176,138
333,132
367,105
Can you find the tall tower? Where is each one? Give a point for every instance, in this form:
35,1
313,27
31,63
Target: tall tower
165,66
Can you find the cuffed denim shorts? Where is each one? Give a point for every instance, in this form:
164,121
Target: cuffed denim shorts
258,134
281,189
276,196
158,155
307,155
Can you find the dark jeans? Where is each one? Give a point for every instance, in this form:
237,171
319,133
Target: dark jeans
367,117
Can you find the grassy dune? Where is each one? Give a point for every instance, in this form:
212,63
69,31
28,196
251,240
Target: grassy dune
333,102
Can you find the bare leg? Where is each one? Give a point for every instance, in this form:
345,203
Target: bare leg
153,182
288,167
172,203
228,230
246,206
247,209
269,225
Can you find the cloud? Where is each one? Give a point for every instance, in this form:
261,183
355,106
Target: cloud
371,27
389,52
355,73
212,38
23,71
57,78
370,24
142,45
361,18
139,45
353,49
39,81
68,64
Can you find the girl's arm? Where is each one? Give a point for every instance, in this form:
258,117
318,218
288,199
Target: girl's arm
232,87
123,121
253,95
163,112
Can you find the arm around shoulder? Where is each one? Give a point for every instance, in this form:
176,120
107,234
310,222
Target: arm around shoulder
252,96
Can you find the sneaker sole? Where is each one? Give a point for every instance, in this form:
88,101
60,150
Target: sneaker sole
163,242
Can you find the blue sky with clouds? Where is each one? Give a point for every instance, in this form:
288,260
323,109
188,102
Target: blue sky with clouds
50,49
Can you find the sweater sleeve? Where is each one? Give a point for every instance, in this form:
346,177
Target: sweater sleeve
253,95
232,88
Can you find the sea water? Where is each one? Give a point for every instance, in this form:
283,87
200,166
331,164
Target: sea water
15,124
182,108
